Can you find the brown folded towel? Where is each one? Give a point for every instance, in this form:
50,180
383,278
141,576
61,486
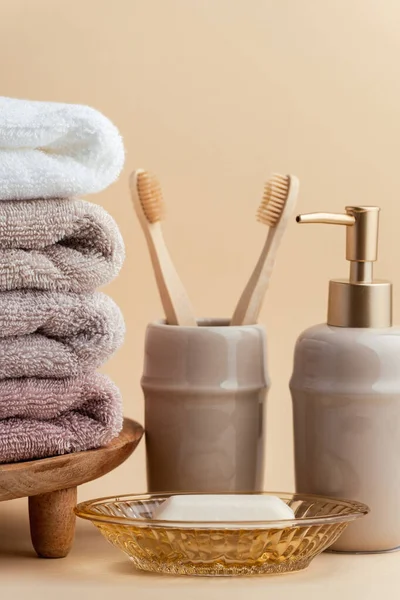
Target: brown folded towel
50,417
56,335
58,245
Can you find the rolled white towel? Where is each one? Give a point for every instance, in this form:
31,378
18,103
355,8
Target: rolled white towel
50,150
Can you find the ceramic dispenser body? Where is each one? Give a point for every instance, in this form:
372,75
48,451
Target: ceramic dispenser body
205,392
346,392
346,410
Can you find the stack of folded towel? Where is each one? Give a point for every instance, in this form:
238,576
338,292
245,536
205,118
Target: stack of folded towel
55,250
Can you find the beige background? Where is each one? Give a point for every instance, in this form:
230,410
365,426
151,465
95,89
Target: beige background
213,95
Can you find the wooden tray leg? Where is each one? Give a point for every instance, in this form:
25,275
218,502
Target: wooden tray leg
52,521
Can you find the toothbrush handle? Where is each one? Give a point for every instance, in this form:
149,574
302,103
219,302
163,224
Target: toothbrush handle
251,300
176,304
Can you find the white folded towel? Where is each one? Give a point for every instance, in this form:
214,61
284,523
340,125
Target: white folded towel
51,150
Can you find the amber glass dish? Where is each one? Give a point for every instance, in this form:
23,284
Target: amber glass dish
229,548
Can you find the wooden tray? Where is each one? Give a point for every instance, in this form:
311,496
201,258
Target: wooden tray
51,485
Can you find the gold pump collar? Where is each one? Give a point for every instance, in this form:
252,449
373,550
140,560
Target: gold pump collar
359,301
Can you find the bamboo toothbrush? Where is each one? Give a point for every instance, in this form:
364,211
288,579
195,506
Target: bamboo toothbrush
148,202
275,210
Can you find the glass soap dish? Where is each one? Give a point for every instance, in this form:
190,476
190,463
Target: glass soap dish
229,548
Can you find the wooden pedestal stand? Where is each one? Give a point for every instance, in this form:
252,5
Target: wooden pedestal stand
51,485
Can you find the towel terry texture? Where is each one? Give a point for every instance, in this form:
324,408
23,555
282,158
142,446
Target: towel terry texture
49,150
55,251
92,417
45,399
51,399
58,245
54,335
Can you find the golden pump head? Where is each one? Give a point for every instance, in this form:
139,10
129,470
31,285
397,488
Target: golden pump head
359,301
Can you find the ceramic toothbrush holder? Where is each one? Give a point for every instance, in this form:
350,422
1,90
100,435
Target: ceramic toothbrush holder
205,392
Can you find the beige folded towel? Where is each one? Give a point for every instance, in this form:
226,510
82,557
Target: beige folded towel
56,335
58,245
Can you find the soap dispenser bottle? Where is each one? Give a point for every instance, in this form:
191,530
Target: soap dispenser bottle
346,393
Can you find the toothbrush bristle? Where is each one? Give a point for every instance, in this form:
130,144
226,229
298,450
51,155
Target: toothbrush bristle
276,191
150,196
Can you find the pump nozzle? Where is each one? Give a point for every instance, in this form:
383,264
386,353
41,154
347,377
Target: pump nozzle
328,218
357,306
361,237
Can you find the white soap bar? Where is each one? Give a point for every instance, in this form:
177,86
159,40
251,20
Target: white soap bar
223,507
